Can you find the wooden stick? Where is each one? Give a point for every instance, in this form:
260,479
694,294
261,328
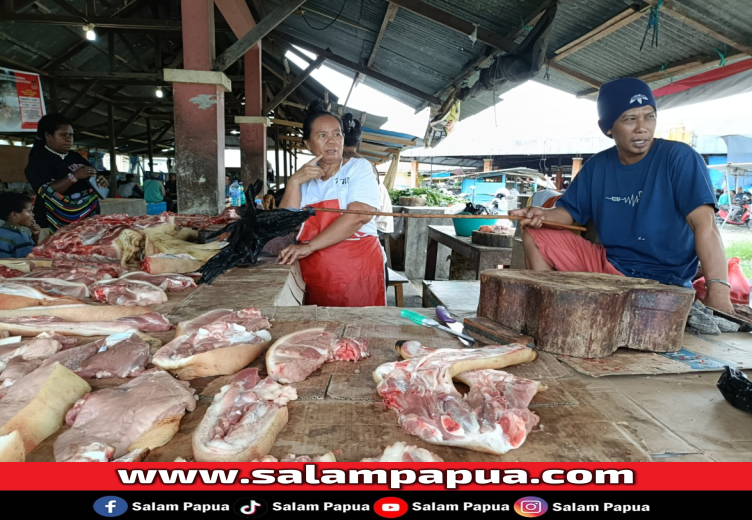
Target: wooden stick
443,215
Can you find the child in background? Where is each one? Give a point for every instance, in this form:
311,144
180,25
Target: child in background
16,210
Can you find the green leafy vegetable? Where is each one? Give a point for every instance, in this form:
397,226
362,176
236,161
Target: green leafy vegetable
433,196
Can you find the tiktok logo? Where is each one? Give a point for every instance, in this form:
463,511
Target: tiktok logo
251,507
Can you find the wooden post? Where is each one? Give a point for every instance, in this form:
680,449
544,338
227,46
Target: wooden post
113,153
111,49
576,166
276,154
487,165
284,158
149,144
414,173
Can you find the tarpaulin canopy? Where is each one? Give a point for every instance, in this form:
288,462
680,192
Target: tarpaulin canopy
716,83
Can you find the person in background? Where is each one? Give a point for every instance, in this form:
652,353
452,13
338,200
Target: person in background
723,200
340,256
651,201
171,192
129,189
154,190
16,209
739,197
60,177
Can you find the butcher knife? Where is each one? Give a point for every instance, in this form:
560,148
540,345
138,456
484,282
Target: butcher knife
453,324
428,322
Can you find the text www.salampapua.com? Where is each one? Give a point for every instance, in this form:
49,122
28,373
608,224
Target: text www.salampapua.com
394,478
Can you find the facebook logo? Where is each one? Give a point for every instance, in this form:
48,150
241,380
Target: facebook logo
110,506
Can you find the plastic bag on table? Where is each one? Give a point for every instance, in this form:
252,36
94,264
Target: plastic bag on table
736,389
476,209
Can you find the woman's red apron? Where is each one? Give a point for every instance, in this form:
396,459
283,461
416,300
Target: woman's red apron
348,274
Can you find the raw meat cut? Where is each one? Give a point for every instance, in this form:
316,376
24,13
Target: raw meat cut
127,293
145,412
73,358
18,296
78,312
7,272
202,221
220,348
12,448
294,357
243,421
291,457
168,282
17,368
55,287
36,405
134,456
94,452
119,355
76,272
401,452
40,348
492,418
33,325
250,319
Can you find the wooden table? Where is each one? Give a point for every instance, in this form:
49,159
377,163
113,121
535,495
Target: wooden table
483,257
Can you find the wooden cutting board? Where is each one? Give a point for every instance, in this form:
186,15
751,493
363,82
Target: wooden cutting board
492,239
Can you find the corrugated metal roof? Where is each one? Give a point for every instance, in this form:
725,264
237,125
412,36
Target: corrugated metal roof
414,50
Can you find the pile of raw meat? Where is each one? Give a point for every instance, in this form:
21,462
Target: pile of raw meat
492,417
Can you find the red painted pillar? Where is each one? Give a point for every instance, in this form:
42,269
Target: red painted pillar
199,118
253,136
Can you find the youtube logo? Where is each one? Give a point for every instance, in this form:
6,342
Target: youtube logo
390,507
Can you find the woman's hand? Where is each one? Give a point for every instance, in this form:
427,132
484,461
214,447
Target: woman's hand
102,182
292,253
308,172
84,172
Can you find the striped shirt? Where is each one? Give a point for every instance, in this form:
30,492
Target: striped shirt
14,242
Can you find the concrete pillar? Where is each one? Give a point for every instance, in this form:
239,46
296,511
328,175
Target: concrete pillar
199,115
487,165
414,174
576,165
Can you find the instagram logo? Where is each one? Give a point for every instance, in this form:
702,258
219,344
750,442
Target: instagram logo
530,507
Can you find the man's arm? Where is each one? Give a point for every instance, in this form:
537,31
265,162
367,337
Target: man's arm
712,255
533,217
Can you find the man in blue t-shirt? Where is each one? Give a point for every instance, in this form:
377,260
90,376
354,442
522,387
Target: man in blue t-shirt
644,233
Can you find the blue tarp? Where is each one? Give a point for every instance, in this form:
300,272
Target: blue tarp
441,175
484,191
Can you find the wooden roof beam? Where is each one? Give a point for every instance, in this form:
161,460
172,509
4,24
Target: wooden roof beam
294,84
391,13
705,29
330,56
624,18
255,35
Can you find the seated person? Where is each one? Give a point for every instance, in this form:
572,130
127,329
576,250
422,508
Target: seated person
154,191
129,189
16,209
623,190
723,200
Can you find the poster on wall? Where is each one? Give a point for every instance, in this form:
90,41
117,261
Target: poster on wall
21,101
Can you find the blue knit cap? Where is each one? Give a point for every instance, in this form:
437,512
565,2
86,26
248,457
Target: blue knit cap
620,95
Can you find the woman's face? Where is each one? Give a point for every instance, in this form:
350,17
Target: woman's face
326,139
62,140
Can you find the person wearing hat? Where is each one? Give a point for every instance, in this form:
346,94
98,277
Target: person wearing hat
643,233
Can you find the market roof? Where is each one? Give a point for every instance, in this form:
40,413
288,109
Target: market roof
416,51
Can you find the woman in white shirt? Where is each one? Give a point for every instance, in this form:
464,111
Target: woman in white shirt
340,255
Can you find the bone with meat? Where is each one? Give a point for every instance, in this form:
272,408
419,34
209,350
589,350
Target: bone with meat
492,418
250,319
294,357
18,296
55,287
120,355
127,293
291,457
168,282
145,412
221,347
36,405
244,420
402,452
33,325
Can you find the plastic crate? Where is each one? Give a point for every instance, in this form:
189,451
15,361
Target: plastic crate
156,208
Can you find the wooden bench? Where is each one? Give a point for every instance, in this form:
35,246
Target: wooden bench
397,281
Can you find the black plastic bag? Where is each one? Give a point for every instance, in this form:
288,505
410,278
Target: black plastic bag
249,235
736,389
476,209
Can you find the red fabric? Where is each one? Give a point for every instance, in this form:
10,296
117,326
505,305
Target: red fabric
704,78
739,284
348,274
565,251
